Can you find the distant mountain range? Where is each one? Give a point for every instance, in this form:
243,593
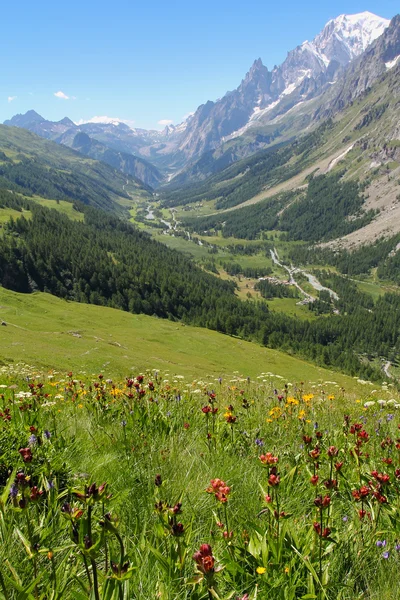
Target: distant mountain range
317,79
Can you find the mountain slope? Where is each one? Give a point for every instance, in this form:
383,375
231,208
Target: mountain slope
141,170
309,68
30,164
109,151
305,107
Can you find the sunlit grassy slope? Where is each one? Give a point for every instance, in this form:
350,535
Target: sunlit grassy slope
47,332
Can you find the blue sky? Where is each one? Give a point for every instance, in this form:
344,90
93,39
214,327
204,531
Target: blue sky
147,62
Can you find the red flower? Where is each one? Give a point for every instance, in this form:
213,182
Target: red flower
204,559
317,528
330,484
322,502
220,490
206,409
269,459
315,453
314,479
26,454
274,480
326,532
332,451
338,466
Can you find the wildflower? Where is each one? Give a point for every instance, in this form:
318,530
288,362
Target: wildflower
322,502
332,451
314,480
47,434
220,490
326,532
259,442
32,440
385,554
315,453
158,480
13,491
204,559
274,480
268,459
177,529
381,544
261,570
26,454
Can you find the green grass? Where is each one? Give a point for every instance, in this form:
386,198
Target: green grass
43,330
61,206
290,307
7,213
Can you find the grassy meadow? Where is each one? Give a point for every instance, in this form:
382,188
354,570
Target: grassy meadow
51,333
159,486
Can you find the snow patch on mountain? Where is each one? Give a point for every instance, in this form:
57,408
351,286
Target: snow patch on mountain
104,120
392,63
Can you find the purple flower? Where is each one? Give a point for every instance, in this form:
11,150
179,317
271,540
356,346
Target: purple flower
345,519
14,491
259,442
123,423
47,434
315,425
390,417
385,554
32,440
381,544
50,485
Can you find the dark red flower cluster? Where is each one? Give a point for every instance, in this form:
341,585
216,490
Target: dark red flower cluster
322,502
269,459
324,533
220,490
204,559
26,454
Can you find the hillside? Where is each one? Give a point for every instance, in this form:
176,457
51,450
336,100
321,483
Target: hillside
76,336
35,166
361,143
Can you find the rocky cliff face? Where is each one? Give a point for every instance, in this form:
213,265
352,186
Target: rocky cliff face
263,94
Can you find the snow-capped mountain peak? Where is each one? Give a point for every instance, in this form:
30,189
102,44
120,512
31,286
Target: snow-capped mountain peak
347,36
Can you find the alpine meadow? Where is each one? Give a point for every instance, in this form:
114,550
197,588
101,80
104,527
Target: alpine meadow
200,315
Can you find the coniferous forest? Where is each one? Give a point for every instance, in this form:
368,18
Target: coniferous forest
106,261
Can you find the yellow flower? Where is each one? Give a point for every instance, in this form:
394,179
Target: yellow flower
302,414
261,570
292,401
331,397
269,420
308,397
275,412
286,569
